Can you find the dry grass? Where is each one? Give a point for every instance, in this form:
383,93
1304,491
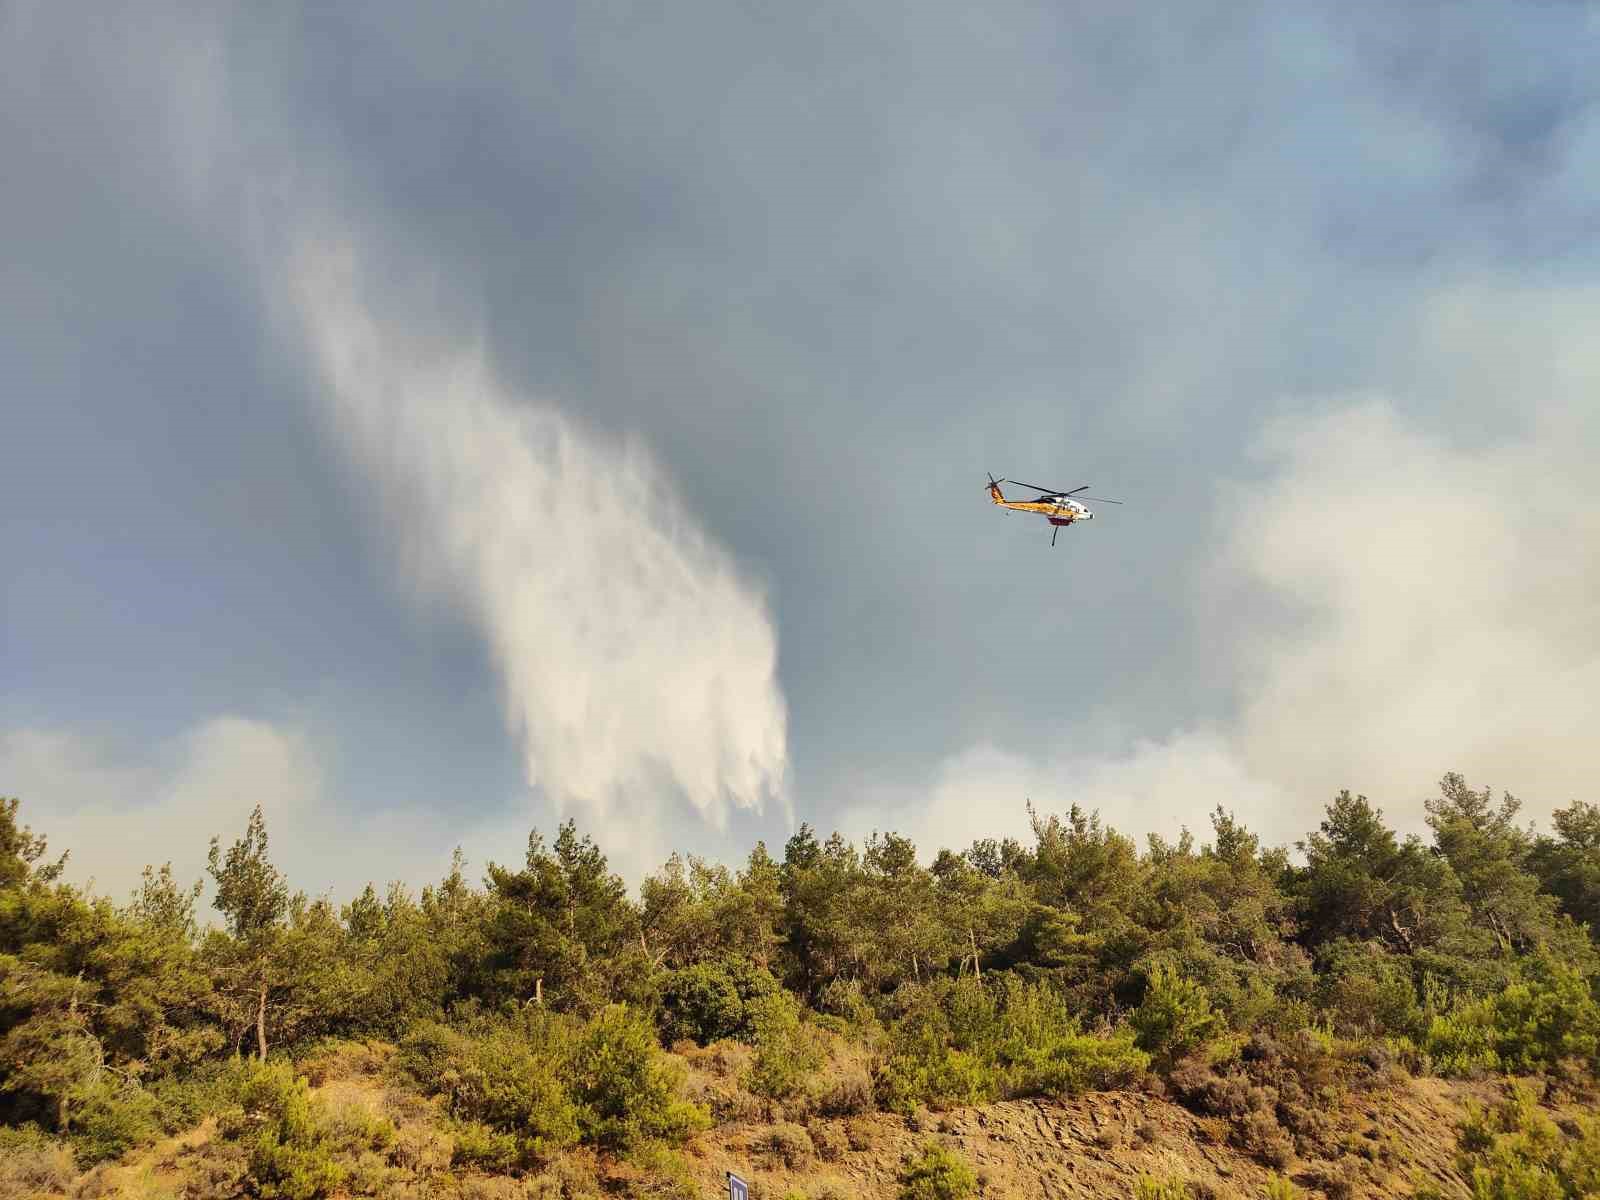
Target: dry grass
27,1171
829,1139
336,1060
840,1087
844,1086
790,1144
713,1076
571,1178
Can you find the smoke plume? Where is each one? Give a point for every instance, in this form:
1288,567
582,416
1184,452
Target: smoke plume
639,667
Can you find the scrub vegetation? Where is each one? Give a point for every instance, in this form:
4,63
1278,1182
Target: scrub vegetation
543,1033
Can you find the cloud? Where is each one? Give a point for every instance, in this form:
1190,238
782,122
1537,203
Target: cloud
638,664
116,809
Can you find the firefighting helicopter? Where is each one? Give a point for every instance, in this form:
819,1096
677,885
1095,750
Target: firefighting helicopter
1059,508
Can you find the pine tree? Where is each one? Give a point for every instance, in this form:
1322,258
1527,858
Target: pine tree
254,898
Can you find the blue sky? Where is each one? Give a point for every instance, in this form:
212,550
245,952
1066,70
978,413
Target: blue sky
432,422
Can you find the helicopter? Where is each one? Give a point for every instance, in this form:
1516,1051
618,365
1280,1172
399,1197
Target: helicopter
1059,508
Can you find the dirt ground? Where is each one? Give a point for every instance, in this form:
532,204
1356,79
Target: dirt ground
1098,1146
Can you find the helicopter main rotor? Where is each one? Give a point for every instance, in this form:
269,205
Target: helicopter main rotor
1053,494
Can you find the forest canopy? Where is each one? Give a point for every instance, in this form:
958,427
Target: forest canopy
547,992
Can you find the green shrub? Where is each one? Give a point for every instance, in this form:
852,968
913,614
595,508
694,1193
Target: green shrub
290,1152
182,1102
972,1013
1530,1025
972,1043
935,1173
1461,1043
294,1144
428,1051
1080,1062
356,1128
508,1076
1278,1188
1514,1151
110,1120
1366,991
1174,1018
1550,1016
486,1149
787,1050
939,1078
1044,1052
843,999
625,1089
15,1139
710,1001
545,1081
293,1171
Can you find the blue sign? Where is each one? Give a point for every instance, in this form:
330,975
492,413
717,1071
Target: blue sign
738,1189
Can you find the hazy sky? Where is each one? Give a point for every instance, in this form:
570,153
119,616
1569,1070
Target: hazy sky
430,421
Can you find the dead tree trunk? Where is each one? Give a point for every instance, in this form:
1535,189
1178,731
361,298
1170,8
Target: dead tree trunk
1401,932
261,1022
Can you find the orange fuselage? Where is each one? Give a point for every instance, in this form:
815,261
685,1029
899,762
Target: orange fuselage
1059,512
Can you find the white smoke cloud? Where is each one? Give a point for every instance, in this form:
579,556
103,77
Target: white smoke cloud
1445,572
639,666
1398,597
1447,613
1157,787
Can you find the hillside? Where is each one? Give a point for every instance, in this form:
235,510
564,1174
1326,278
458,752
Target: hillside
1097,1145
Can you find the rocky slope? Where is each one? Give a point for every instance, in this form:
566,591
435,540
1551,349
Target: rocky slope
1098,1145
